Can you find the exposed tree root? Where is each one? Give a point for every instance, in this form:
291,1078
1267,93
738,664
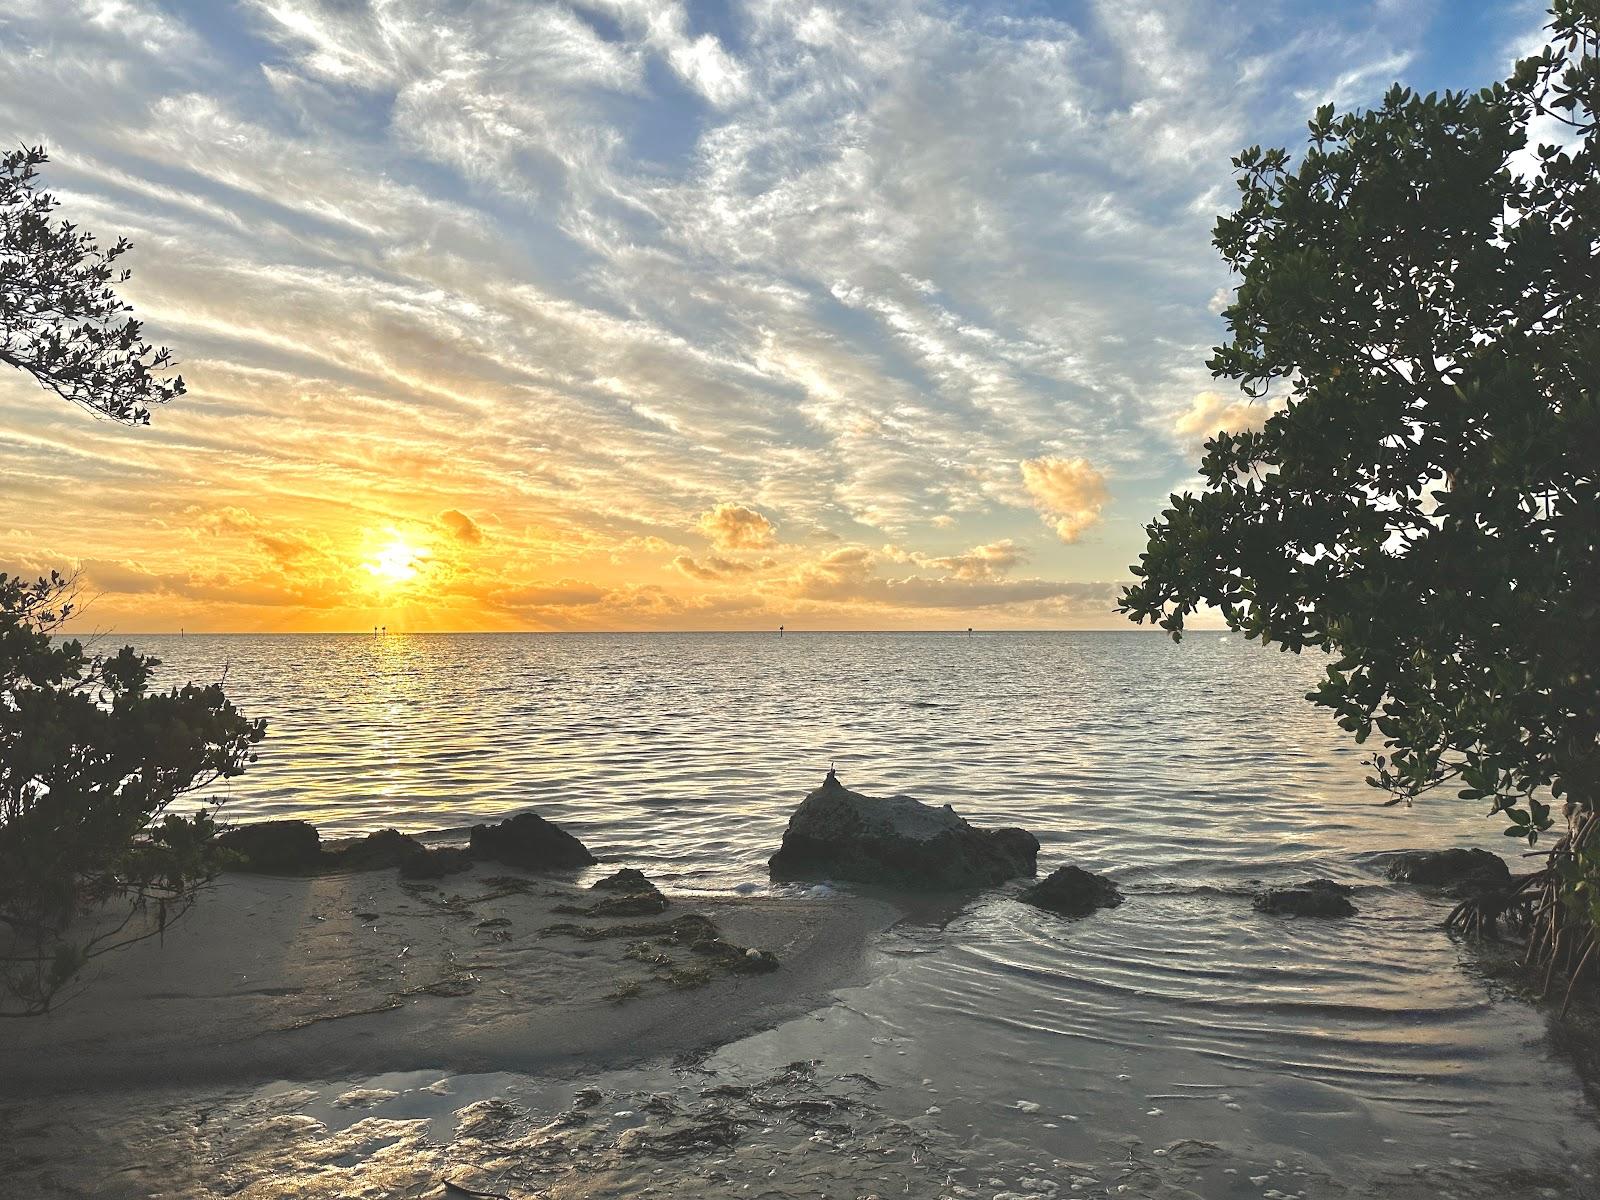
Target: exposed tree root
1561,940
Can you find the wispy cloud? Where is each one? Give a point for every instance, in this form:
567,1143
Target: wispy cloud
638,313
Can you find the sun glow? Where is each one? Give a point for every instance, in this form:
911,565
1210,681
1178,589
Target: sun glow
396,561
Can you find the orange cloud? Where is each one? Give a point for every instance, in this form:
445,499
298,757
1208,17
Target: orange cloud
1212,413
565,593
717,567
461,526
1069,492
736,527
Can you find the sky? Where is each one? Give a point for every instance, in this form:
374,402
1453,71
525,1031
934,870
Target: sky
638,314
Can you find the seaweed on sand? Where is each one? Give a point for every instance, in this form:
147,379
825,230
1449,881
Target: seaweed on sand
652,940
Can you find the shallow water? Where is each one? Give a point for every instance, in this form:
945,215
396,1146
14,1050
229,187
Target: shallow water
1363,1053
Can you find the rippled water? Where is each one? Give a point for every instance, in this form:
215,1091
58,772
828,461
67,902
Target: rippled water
1361,1050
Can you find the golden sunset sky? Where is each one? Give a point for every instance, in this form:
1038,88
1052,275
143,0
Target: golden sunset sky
641,315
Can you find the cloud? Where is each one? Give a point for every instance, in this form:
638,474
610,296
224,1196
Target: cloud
225,586
583,266
838,575
716,567
1210,413
125,578
849,577
461,526
563,593
980,562
1070,492
736,527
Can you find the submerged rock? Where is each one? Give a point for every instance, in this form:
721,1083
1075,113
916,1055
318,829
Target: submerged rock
435,863
275,847
901,842
1463,872
527,840
1313,898
1072,892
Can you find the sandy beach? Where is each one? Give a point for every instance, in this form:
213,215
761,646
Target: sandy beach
363,973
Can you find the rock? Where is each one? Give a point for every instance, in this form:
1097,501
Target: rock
275,847
527,840
1462,872
737,958
1313,898
626,880
436,863
1072,892
759,961
901,842
375,852
635,896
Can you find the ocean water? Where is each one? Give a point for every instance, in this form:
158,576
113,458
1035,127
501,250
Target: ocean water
1366,1054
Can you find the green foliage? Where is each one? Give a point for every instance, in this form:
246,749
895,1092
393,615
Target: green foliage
90,759
60,318
1421,294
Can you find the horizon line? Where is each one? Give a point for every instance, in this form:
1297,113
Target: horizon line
953,632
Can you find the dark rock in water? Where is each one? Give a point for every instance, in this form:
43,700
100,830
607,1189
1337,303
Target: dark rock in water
901,842
275,847
375,852
1072,892
527,840
1462,872
1313,898
436,863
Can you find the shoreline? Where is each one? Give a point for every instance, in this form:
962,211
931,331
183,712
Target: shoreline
667,1094
297,978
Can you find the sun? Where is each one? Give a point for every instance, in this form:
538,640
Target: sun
397,561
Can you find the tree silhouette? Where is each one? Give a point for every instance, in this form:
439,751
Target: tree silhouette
90,759
1422,291
1426,505
61,320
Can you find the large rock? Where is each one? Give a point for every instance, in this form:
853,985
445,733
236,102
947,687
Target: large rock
900,842
527,840
1072,892
375,852
275,847
436,863
1463,872
1313,898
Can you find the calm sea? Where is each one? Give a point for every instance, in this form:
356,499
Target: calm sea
1365,1049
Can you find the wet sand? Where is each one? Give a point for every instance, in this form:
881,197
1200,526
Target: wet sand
352,1036
334,976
